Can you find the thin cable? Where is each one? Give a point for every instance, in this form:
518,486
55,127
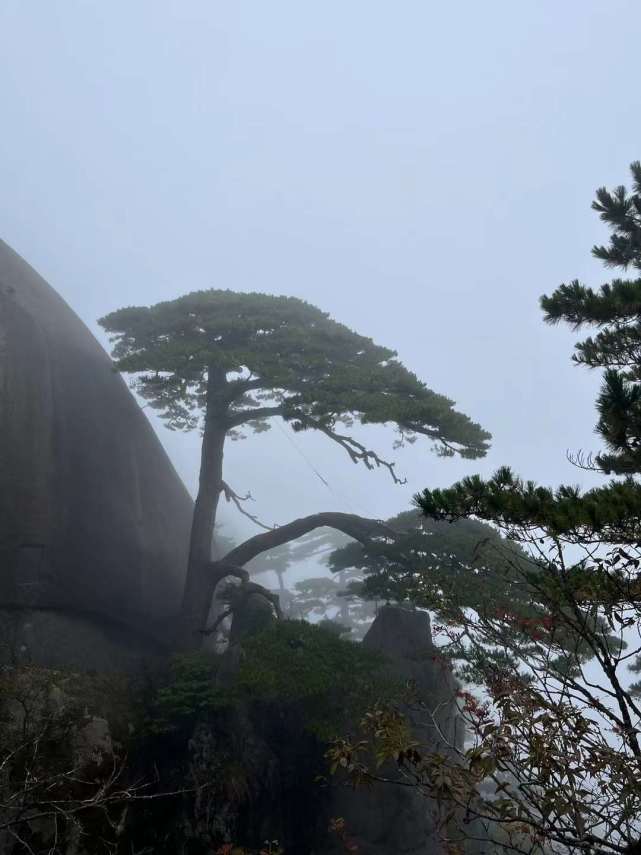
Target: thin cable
342,498
303,455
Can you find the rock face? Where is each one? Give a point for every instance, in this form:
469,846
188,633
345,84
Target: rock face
93,518
404,637
390,820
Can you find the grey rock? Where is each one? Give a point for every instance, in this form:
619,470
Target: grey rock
92,744
59,639
254,615
404,637
93,518
387,819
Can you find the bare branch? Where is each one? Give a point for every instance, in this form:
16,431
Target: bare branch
211,629
253,414
223,568
584,461
360,528
357,452
232,496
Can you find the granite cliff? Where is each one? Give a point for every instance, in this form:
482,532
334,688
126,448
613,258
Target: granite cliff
93,518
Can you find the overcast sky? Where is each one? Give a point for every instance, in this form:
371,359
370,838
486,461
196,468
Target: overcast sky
423,171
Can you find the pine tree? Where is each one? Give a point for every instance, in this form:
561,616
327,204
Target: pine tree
223,361
611,513
615,309
577,787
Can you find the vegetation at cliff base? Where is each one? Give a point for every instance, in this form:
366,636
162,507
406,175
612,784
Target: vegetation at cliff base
332,681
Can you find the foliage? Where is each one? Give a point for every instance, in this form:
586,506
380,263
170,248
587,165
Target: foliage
615,309
608,514
457,568
539,773
187,692
224,361
555,755
63,779
461,817
424,557
334,603
612,512
560,744
313,547
317,598
555,749
301,664
418,559
316,370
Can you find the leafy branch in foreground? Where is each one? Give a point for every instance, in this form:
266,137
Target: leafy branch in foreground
553,716
610,514
64,783
553,757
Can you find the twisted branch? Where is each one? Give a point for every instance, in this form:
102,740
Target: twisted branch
360,528
233,496
357,452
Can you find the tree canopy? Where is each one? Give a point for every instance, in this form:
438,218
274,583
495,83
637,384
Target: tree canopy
425,557
452,568
615,310
311,370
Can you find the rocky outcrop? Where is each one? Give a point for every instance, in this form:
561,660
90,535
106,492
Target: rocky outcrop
63,638
94,520
395,820
242,771
57,761
404,637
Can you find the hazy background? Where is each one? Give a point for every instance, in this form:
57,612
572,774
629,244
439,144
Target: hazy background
423,171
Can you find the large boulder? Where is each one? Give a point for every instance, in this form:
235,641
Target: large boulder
404,638
93,518
388,819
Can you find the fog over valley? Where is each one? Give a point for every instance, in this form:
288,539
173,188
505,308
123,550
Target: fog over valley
320,428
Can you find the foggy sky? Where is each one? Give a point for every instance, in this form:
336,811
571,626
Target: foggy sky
423,171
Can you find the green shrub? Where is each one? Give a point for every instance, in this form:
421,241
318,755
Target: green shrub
302,664
189,690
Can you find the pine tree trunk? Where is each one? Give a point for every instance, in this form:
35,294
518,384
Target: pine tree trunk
200,582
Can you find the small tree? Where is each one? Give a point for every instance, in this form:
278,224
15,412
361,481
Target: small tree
615,309
223,362
568,741
427,560
422,563
555,759
556,752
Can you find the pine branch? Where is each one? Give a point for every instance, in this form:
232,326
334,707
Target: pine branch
357,452
360,528
253,414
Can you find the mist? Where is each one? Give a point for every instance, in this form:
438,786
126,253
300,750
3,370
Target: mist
423,172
